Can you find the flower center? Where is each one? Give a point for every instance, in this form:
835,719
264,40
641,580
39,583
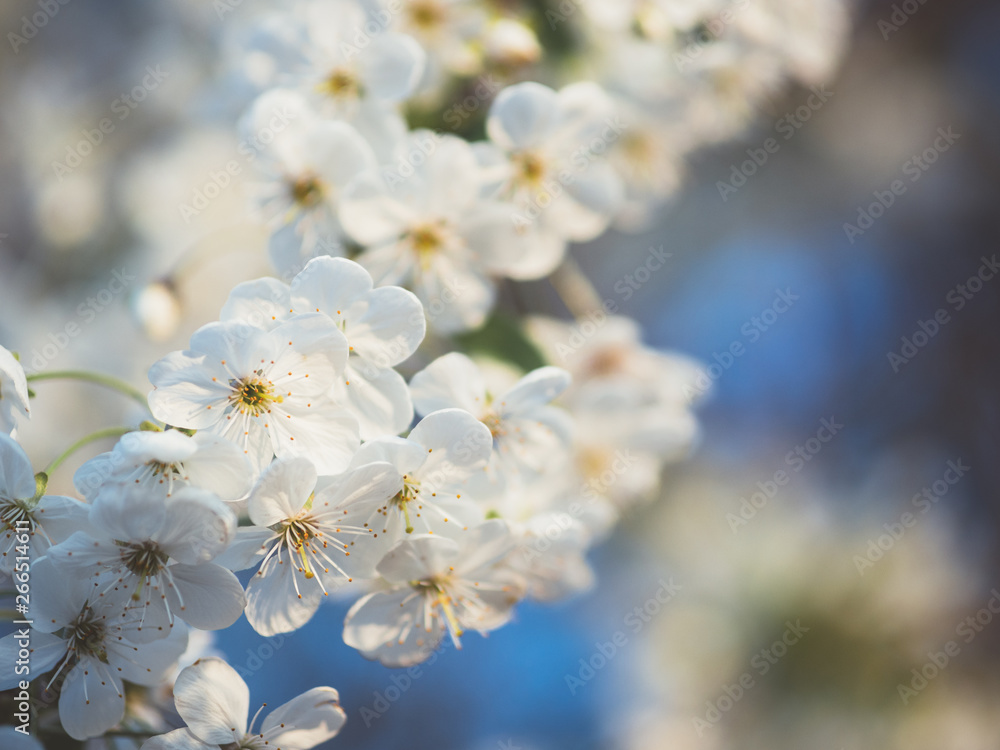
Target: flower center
297,533
144,559
86,636
428,239
342,82
529,168
253,395
494,423
14,511
307,191
403,498
427,15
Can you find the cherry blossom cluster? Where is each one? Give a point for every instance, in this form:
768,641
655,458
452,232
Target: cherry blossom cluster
330,435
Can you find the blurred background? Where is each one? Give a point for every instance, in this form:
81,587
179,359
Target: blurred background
830,547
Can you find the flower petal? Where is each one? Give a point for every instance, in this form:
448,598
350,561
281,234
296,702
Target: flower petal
213,700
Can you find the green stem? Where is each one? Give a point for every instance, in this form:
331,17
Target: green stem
92,437
108,381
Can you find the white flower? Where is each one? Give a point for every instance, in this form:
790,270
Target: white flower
46,520
550,556
305,533
93,645
436,585
383,327
528,433
305,166
353,59
153,555
426,227
433,462
266,391
13,392
546,159
159,463
450,32
214,701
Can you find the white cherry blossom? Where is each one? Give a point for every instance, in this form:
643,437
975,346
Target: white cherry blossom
434,463
436,585
162,462
383,327
214,701
304,167
91,646
268,391
428,228
528,433
545,157
305,534
154,556
46,520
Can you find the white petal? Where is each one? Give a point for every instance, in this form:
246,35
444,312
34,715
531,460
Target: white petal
92,700
128,512
198,526
179,739
149,663
213,700
59,596
535,389
212,596
522,116
391,66
371,213
453,380
484,546
262,303
405,455
279,597
455,440
417,558
46,650
322,431
378,399
305,721
220,467
17,480
281,491
390,627
247,549
391,328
